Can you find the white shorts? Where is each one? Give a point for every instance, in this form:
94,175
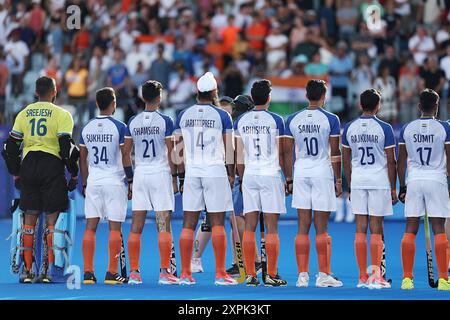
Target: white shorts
427,195
314,193
373,202
263,194
108,202
210,193
153,192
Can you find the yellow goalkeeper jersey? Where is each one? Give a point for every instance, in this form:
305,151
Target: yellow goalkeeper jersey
39,125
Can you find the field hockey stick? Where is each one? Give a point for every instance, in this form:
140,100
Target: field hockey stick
430,268
263,247
238,249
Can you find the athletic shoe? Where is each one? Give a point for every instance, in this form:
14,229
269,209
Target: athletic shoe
26,277
339,216
443,284
168,278
379,283
327,280
274,281
363,282
350,217
258,267
44,278
114,278
196,265
407,284
251,281
225,280
303,280
89,278
186,279
135,277
233,270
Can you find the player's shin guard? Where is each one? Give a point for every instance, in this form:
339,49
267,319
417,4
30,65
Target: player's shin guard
28,242
273,249
134,250
440,247
51,254
249,246
408,250
302,247
361,253
186,247
376,250
322,251
165,248
115,242
88,250
219,242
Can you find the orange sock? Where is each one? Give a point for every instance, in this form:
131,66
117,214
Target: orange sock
115,241
302,245
51,254
448,254
361,253
186,246
219,242
28,241
273,250
376,251
408,250
134,250
440,247
88,250
322,251
165,248
249,245
329,254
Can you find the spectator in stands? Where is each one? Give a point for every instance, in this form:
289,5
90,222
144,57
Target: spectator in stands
408,87
233,81
340,69
160,68
432,77
256,32
347,17
316,67
445,66
362,77
118,79
391,61
51,69
276,44
17,53
421,44
181,89
76,82
297,34
327,19
134,56
55,38
385,84
229,37
81,40
363,42
4,76
309,46
183,55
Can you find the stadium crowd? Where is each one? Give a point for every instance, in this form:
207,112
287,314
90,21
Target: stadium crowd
396,46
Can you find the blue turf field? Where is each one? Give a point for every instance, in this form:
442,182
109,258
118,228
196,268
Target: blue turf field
342,263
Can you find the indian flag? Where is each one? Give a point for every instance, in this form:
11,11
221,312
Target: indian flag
289,94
